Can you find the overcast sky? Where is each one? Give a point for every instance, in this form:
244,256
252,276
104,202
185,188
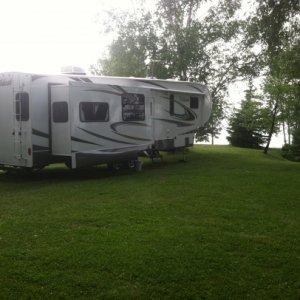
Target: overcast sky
44,35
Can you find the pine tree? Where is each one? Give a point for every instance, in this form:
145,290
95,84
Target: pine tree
248,124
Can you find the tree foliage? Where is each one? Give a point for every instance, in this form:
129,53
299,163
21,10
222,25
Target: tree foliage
275,26
135,42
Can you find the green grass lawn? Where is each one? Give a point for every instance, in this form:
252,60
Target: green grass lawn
224,225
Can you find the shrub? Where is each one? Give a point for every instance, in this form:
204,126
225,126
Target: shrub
291,152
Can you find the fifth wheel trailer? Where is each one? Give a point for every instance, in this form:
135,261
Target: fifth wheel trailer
83,120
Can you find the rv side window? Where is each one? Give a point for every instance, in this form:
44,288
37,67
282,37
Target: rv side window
133,107
22,106
194,102
171,105
93,112
60,112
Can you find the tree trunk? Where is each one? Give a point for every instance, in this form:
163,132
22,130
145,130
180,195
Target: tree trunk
212,132
289,133
274,115
284,133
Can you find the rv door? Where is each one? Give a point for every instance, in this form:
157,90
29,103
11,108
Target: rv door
60,121
22,122
15,132
6,125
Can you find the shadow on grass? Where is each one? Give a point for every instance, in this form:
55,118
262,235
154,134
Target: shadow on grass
210,158
60,173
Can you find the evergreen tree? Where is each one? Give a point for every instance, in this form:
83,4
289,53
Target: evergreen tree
247,125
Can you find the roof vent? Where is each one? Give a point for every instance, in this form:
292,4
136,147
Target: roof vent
73,70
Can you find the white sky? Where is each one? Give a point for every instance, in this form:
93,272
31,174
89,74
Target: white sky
41,36
44,35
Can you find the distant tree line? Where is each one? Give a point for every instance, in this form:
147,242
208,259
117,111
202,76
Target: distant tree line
226,43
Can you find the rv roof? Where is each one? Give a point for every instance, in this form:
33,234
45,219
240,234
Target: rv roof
147,83
153,84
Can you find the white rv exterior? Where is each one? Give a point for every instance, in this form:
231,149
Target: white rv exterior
83,120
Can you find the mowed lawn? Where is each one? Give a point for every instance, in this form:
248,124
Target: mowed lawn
224,225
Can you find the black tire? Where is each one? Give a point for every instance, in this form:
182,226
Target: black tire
128,164
114,166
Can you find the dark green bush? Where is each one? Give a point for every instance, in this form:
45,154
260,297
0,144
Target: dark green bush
291,152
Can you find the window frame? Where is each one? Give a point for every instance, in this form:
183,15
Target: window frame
21,114
192,102
94,121
55,113
172,105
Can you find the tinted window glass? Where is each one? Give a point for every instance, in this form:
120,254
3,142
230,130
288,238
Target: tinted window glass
94,112
171,105
194,102
133,107
60,112
22,106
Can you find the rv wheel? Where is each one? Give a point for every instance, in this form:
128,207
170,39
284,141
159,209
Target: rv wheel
114,166
68,164
130,164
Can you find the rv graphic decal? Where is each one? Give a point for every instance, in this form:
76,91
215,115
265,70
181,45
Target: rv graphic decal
40,133
116,87
188,115
75,139
86,80
187,132
117,149
105,137
178,123
114,127
37,148
103,91
153,83
81,79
